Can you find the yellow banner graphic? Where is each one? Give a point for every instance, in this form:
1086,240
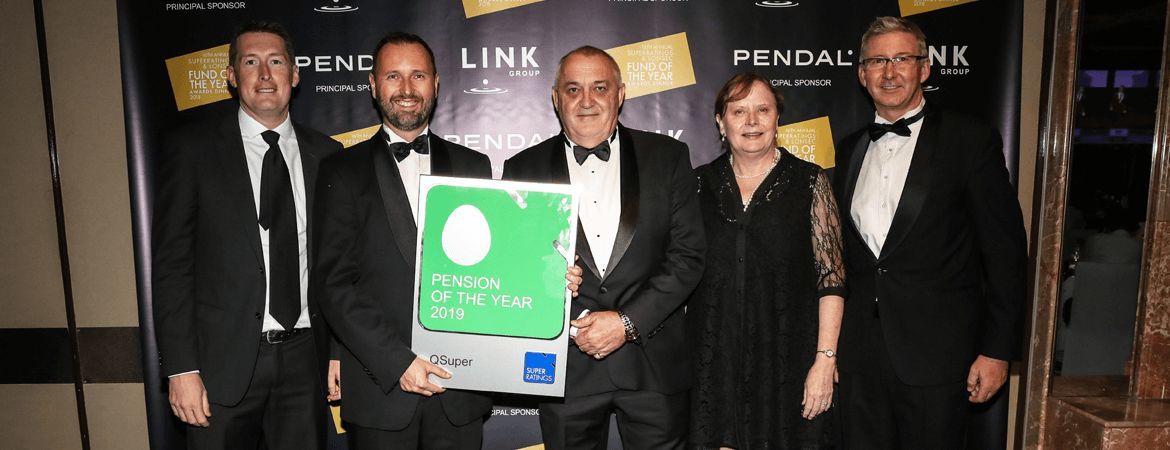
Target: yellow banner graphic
655,65
911,7
200,77
472,8
811,140
356,136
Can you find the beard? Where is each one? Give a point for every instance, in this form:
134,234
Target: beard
403,120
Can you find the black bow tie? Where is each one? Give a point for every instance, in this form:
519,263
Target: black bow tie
901,127
402,149
601,151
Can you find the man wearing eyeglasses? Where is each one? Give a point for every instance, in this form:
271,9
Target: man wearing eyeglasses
935,257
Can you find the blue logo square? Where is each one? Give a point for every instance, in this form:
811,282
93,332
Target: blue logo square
540,367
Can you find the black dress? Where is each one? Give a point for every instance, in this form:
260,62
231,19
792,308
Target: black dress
754,316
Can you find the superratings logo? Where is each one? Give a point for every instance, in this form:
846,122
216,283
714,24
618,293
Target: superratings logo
655,65
472,8
811,140
911,7
353,137
199,78
540,367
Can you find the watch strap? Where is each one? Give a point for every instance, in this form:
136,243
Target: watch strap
631,330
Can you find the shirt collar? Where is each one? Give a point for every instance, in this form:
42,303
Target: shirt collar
250,128
394,137
879,119
612,140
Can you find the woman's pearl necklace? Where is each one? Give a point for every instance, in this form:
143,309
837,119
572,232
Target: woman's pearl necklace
775,159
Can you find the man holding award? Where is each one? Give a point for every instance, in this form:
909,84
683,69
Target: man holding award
365,265
641,244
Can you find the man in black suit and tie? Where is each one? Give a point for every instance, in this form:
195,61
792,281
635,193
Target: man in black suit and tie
237,333
641,243
935,257
365,257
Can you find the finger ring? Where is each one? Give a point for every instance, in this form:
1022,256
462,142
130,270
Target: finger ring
598,355
824,404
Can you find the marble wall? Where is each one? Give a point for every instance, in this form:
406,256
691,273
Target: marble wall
1107,423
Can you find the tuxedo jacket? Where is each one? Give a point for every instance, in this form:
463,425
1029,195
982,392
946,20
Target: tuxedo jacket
208,264
364,275
657,260
950,279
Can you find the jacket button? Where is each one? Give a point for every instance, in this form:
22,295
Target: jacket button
604,290
261,269
257,316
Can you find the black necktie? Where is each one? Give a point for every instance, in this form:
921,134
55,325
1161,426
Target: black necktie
601,151
402,149
901,127
278,215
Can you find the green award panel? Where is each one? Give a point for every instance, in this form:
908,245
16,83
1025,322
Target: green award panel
494,267
491,305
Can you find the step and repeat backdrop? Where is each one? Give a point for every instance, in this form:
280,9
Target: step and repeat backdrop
497,60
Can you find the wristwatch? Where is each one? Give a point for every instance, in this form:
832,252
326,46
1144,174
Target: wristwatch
631,331
829,353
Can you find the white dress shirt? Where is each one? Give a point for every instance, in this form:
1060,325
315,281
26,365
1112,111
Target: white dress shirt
601,198
254,150
880,183
411,167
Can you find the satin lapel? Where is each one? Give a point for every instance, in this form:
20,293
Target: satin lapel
856,159
585,252
440,157
631,202
917,184
394,199
309,164
558,170
234,165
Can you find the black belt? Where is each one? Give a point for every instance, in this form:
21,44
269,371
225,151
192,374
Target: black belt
278,336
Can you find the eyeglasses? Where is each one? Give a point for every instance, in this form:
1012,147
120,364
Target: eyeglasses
898,61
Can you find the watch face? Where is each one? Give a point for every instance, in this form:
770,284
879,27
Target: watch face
829,353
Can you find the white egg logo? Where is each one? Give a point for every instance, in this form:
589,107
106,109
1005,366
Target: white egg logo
466,236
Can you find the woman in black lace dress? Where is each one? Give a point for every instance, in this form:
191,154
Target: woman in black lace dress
768,311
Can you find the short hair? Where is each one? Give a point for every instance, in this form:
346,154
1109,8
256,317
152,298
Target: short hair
588,50
403,38
888,24
738,88
260,27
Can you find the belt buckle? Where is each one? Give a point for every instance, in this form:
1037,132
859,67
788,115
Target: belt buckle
268,335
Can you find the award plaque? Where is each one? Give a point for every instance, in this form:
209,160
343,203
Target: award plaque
491,305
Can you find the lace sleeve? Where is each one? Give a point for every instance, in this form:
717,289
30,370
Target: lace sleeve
826,239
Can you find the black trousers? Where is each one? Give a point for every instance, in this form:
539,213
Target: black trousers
428,430
284,405
646,420
879,411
